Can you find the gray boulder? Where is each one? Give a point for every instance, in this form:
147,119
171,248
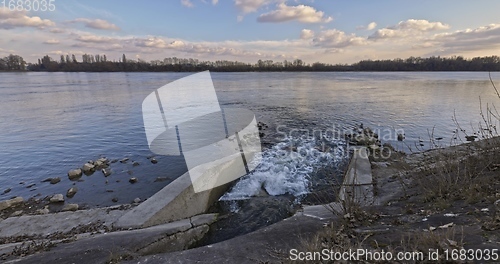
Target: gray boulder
75,174
58,198
71,192
88,168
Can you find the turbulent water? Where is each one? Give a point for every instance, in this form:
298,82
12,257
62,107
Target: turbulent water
289,167
55,122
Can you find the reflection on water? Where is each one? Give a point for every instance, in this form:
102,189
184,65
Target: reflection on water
54,122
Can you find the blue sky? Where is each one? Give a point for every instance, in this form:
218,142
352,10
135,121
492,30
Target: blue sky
330,31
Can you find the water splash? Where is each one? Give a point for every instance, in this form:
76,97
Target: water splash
287,167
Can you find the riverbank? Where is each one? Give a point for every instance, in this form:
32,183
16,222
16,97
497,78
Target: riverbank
425,202
433,202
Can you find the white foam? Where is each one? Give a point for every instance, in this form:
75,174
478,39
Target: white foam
286,168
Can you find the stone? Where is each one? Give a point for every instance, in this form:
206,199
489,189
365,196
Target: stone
135,164
103,160
7,190
88,168
204,219
132,180
17,213
57,198
154,161
114,200
106,172
43,211
71,192
124,160
55,180
137,200
75,174
161,179
70,207
11,203
497,205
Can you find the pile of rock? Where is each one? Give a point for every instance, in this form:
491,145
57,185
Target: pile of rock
364,137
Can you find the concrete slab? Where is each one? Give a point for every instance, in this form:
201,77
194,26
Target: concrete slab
178,200
271,244
358,181
322,211
43,225
204,219
102,247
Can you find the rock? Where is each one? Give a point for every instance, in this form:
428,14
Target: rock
114,200
132,180
103,160
497,205
161,179
31,185
17,213
124,160
7,190
154,161
137,200
58,198
88,168
70,207
71,192
401,137
470,138
135,164
43,211
106,172
11,203
55,180
75,174
114,161
47,180
110,191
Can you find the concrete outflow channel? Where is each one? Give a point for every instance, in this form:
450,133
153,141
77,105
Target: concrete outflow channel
162,228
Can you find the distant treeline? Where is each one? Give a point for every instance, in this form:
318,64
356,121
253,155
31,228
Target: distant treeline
100,63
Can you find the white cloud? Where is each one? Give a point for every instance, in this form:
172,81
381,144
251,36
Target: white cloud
96,24
301,13
485,37
89,38
214,2
249,6
408,28
187,3
334,38
370,26
51,41
10,20
306,34
57,30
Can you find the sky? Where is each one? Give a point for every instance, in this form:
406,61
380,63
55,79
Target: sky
328,31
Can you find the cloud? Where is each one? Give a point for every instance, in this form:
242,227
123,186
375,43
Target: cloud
187,3
10,20
214,2
51,41
96,24
249,6
370,26
334,38
407,28
301,13
57,30
485,37
306,34
95,39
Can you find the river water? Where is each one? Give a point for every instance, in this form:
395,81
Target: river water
55,122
